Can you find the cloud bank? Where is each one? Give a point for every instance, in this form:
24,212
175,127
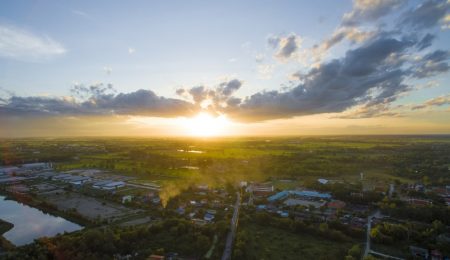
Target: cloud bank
370,76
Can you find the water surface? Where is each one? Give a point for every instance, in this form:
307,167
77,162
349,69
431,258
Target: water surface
31,223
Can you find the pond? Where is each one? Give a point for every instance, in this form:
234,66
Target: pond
31,223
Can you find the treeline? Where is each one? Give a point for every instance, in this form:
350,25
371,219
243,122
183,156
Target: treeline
426,214
408,233
172,235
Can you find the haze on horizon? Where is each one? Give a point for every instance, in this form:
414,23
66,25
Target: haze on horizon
195,68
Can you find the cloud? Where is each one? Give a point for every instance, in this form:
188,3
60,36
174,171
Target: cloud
97,100
259,57
352,34
431,64
437,101
286,46
79,13
369,111
362,76
370,10
426,41
265,71
131,50
426,15
22,45
108,70
214,99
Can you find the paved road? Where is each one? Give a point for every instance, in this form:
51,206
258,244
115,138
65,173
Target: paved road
369,227
232,233
367,250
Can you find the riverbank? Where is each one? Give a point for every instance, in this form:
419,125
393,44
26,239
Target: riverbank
42,205
4,243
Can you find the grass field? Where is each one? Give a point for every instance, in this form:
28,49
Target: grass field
272,243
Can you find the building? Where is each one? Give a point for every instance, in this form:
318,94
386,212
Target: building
127,198
209,217
8,170
260,189
419,202
323,181
299,193
336,204
36,166
108,185
296,202
419,252
61,177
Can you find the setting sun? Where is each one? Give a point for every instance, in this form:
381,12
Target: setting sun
206,125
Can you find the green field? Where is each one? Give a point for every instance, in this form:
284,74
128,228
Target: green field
272,243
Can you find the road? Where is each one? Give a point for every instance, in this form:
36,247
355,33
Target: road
232,233
367,250
369,227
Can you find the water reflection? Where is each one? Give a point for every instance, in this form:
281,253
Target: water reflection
30,223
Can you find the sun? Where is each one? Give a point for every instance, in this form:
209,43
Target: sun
206,125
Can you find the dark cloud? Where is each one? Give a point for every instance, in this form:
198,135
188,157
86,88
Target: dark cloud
426,41
217,97
431,64
363,76
426,15
285,46
141,102
228,88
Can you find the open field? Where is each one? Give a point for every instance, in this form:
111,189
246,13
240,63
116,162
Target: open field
91,208
272,243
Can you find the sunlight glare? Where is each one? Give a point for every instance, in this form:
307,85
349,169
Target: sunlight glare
206,125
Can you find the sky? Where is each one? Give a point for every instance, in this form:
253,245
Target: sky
175,68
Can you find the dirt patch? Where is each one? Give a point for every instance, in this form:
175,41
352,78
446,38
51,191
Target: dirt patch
88,207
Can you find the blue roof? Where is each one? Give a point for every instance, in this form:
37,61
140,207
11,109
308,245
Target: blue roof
303,193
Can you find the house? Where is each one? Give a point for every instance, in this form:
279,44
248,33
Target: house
261,207
180,210
208,217
202,187
336,204
419,202
260,189
419,252
199,222
156,200
323,181
283,214
436,255
127,198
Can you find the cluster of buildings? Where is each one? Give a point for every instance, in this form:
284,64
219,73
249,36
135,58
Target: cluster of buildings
304,204
15,174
